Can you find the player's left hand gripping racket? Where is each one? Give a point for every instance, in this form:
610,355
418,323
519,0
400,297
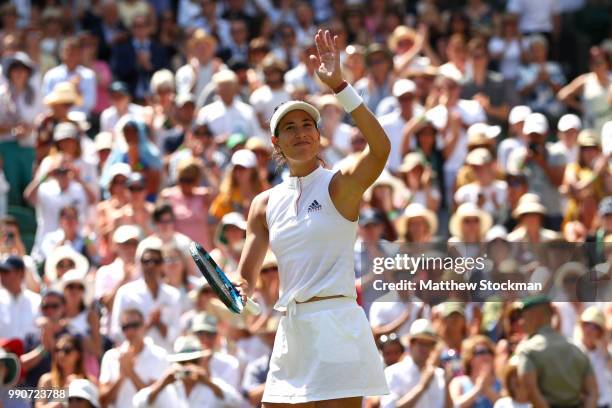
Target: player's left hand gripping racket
219,282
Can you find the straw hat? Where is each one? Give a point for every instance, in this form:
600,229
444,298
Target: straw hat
529,203
569,268
65,252
386,179
469,210
411,160
593,314
588,138
63,93
412,211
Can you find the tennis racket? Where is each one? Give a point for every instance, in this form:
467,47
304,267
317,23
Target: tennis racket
219,282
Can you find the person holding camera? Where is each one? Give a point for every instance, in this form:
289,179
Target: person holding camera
543,167
187,382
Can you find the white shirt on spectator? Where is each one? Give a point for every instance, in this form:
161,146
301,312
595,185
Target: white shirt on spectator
87,84
510,59
404,376
239,117
191,78
471,192
534,16
149,365
300,77
17,314
571,154
264,99
227,367
505,148
394,124
51,199
110,117
201,396
389,308
603,373
137,295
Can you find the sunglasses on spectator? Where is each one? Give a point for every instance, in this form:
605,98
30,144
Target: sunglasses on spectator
65,350
62,171
48,306
515,182
186,180
132,325
70,217
202,132
166,221
65,265
75,286
136,187
155,261
471,220
482,351
270,269
119,181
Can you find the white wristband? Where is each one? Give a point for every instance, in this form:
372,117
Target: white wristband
349,98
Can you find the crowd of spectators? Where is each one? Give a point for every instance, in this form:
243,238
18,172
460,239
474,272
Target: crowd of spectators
129,128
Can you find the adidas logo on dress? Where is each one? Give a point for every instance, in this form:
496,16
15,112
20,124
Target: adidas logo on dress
314,206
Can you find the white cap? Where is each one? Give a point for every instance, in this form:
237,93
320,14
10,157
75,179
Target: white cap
478,130
496,232
244,158
450,71
225,75
81,388
285,108
234,218
126,232
569,121
518,114
535,123
103,140
479,157
119,169
71,276
65,130
403,86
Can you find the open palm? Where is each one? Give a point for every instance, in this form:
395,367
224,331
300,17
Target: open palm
327,59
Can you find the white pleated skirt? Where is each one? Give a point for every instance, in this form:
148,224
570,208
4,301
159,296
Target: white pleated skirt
324,350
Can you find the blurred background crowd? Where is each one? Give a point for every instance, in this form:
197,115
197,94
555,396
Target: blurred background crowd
129,128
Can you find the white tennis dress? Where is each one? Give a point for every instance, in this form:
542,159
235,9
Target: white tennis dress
323,349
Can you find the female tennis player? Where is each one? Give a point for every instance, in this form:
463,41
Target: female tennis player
324,353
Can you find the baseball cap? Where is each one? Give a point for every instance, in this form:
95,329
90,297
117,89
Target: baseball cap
119,169
283,109
403,86
12,262
235,139
569,121
65,130
448,308
518,114
422,329
479,157
244,158
204,322
535,123
85,389
181,99
225,76
125,233
103,141
533,300
119,87
370,216
187,348
593,314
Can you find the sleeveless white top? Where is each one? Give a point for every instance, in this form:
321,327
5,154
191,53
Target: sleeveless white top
312,241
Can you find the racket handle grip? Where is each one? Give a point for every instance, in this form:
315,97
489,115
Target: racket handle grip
251,307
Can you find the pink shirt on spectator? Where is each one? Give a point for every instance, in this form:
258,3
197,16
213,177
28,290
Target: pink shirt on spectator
191,214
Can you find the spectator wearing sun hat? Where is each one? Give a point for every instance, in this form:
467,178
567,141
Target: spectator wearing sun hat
421,181
515,138
485,191
530,213
83,393
229,240
590,338
568,127
187,372
469,224
416,380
